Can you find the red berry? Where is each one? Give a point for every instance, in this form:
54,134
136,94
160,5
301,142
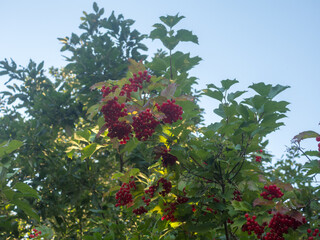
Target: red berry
318,139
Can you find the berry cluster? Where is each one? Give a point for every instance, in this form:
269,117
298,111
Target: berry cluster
182,199
107,90
318,140
167,158
253,226
237,195
139,211
146,200
214,198
166,185
279,225
35,233
258,158
230,221
112,111
171,111
271,192
314,233
150,191
170,212
135,83
144,125
124,196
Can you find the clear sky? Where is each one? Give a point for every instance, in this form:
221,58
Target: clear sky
273,41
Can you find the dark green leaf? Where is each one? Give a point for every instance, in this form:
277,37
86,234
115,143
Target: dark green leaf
186,36
171,20
276,90
213,94
261,88
226,84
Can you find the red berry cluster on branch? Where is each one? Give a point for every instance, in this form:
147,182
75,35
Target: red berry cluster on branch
144,125
171,111
237,195
279,225
214,198
258,158
271,192
252,226
124,196
35,233
107,90
135,83
167,158
150,191
112,111
169,216
314,233
166,185
139,211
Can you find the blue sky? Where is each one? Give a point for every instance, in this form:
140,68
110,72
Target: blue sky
272,41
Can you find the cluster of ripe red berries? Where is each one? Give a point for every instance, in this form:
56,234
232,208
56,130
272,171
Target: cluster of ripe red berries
166,185
171,110
135,83
271,192
258,158
214,198
124,196
280,224
144,125
252,226
173,206
318,140
35,233
314,233
237,195
167,158
139,211
112,111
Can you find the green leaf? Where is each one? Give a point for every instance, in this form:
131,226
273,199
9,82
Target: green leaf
117,175
26,208
134,172
313,153
186,36
10,146
95,7
261,88
243,111
226,84
82,135
130,145
220,111
304,135
241,206
87,151
233,96
26,189
159,33
171,20
276,90
213,94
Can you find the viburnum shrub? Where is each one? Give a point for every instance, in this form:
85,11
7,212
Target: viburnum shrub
193,181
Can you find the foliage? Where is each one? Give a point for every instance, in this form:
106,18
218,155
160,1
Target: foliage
137,163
